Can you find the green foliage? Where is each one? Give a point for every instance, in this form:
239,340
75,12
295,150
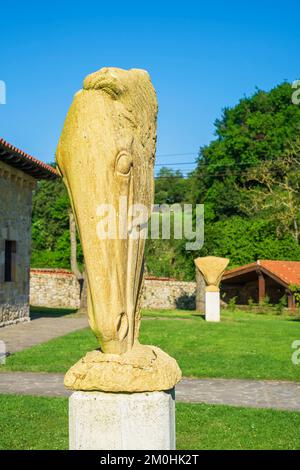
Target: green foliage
50,226
170,186
295,289
281,305
265,302
259,128
232,303
244,240
169,258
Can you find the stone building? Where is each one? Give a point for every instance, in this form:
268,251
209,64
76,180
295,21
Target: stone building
19,173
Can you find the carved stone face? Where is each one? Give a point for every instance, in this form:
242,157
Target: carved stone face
106,157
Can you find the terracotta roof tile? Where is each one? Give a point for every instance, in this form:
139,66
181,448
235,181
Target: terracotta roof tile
287,271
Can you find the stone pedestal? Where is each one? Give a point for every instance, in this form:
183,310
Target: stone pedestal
119,421
212,306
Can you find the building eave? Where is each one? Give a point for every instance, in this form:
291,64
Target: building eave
260,266
16,158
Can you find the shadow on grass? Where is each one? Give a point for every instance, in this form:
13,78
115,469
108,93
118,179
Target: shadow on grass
46,312
198,315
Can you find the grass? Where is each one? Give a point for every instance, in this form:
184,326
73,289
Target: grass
218,427
181,314
243,345
42,423
30,423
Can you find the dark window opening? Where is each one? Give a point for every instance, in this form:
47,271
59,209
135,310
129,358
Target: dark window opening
9,264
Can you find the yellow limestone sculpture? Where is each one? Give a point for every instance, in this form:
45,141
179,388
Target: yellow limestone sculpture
106,156
212,269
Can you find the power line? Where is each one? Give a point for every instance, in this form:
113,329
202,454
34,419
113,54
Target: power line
225,165
217,164
176,154
175,163
214,174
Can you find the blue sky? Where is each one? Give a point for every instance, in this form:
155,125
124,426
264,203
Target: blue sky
202,56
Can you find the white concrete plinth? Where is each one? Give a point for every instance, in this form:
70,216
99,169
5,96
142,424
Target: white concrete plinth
119,421
212,306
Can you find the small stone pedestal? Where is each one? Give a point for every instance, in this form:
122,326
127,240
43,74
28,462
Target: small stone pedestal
119,421
212,306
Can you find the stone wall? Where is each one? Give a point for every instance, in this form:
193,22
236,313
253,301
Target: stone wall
15,225
59,288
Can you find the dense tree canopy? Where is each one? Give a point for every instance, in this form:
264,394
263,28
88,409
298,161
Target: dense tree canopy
260,128
50,226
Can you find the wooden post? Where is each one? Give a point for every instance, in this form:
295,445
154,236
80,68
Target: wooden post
291,301
261,287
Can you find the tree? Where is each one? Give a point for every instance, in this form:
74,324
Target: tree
244,240
170,186
258,129
277,194
50,225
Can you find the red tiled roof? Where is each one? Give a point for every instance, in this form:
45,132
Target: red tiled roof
286,271
23,161
156,278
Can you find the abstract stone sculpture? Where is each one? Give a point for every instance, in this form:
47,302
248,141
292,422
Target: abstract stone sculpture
106,156
212,269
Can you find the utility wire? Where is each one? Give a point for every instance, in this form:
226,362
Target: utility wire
175,163
216,173
176,154
218,164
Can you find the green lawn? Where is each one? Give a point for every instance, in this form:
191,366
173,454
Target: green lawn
42,423
243,345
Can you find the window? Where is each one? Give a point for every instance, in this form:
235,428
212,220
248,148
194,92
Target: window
9,263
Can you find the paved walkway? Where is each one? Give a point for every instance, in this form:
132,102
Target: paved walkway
39,330
25,335
249,393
